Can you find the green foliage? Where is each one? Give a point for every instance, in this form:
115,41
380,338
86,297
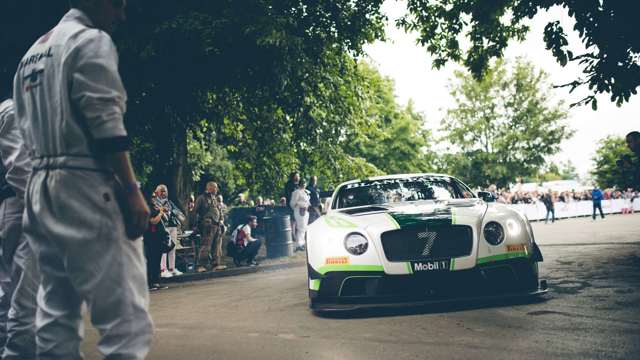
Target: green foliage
552,171
606,173
606,28
504,125
392,138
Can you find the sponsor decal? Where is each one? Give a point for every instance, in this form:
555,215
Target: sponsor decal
436,265
32,79
36,58
515,248
337,260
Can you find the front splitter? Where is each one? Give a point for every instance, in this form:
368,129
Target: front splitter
335,307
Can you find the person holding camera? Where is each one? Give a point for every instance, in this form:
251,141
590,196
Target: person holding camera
153,247
172,217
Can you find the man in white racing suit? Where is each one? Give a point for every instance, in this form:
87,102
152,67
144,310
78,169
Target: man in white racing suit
70,102
19,279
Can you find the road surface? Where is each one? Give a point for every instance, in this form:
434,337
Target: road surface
592,311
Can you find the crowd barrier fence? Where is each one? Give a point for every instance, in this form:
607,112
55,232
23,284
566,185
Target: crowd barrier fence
538,211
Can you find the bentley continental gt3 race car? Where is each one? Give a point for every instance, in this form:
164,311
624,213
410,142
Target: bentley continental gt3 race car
414,239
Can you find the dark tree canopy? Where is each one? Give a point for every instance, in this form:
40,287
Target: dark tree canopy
608,30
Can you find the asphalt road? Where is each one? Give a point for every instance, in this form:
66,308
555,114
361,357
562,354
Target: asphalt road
592,311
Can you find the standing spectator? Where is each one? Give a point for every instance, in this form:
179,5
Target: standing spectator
315,210
152,239
72,111
289,188
548,202
170,222
223,206
216,244
242,200
209,220
628,201
242,245
300,205
493,191
191,214
596,197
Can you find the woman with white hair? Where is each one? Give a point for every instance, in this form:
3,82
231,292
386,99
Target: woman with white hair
170,220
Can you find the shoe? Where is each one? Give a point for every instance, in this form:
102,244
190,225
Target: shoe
253,263
155,287
201,269
220,267
176,272
166,274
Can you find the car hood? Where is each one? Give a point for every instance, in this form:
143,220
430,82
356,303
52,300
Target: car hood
419,212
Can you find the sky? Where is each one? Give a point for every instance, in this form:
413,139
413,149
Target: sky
409,66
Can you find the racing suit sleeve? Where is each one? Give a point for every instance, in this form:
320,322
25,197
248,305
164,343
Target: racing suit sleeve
13,151
97,91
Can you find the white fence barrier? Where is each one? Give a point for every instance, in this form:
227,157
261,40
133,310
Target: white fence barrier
538,211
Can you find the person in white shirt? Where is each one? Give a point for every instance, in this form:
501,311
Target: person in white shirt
84,212
300,202
243,245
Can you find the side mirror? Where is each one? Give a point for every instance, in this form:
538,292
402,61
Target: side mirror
486,196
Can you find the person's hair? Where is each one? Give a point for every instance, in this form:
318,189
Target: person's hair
250,218
292,175
302,183
212,183
633,134
161,186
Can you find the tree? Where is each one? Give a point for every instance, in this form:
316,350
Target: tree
552,171
607,29
503,126
392,138
606,171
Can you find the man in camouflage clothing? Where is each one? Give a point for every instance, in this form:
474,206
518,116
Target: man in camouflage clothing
210,223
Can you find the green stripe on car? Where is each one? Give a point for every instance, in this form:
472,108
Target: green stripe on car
409,268
440,217
329,268
314,284
393,221
338,222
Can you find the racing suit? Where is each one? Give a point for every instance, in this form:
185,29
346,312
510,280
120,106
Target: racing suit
20,287
70,102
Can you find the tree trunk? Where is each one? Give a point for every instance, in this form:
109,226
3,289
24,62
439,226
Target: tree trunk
180,172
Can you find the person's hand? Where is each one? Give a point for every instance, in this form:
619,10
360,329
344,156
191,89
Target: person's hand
139,213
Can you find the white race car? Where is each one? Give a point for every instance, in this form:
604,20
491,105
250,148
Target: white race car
417,238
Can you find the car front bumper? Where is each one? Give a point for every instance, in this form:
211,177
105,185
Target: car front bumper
366,289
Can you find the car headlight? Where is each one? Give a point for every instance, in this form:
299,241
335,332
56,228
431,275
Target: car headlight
356,244
493,233
513,227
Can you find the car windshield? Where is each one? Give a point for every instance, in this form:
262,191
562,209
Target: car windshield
376,192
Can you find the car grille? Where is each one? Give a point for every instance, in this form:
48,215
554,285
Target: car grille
419,242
